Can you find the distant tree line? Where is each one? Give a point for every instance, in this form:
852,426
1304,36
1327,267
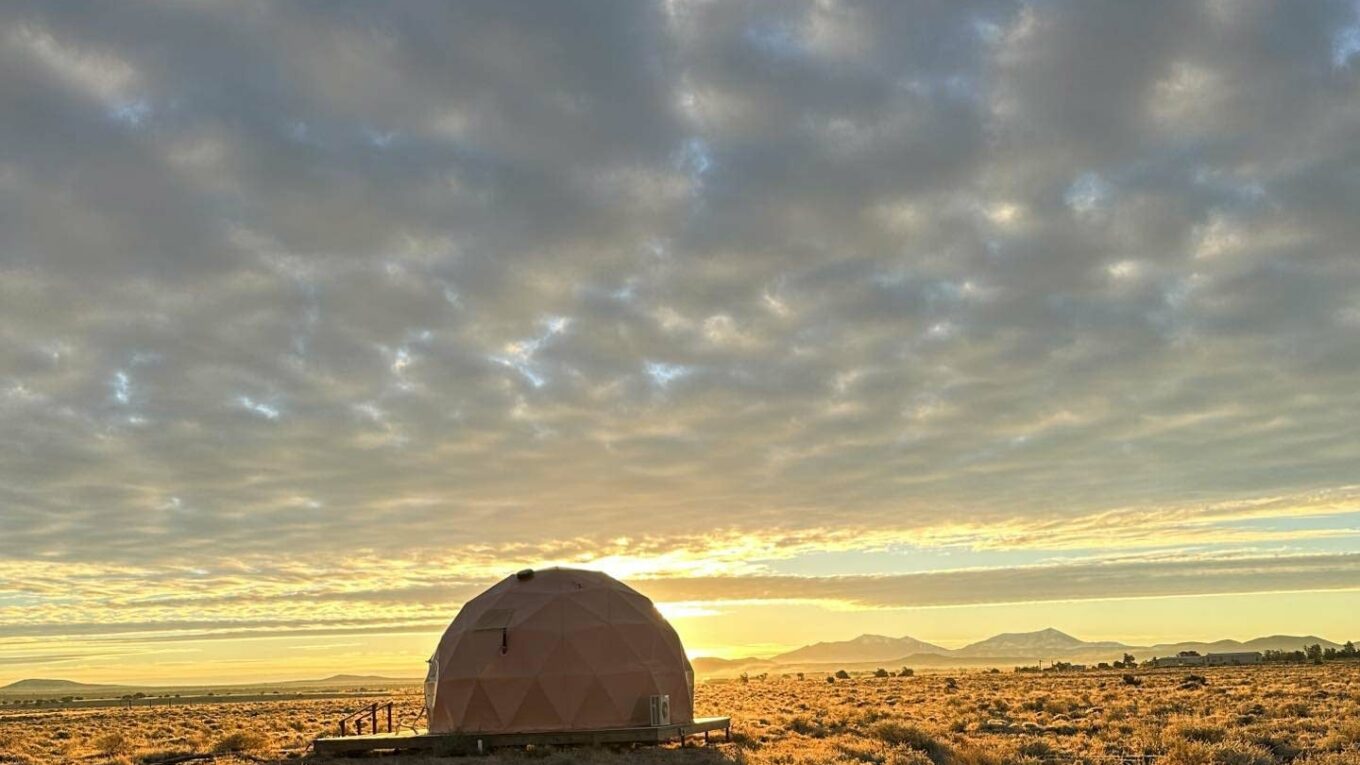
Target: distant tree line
1314,653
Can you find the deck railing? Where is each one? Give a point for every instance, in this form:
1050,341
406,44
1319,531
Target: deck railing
353,723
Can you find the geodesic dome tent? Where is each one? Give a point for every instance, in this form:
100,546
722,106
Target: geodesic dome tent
556,650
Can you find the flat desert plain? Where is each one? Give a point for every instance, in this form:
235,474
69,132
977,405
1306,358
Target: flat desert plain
1309,715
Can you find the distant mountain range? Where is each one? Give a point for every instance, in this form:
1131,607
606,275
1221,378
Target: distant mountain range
353,679
862,648
1006,649
863,652
1041,643
42,685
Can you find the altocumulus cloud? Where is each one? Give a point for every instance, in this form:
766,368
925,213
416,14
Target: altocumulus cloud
287,286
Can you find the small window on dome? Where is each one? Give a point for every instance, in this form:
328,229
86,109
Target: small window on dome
497,619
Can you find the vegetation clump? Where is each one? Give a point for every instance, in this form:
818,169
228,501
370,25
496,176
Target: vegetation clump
912,737
1194,681
1274,714
241,741
112,744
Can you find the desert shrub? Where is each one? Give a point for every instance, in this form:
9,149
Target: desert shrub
807,727
842,675
1344,735
1193,682
862,750
976,755
1036,747
241,741
1241,753
899,734
871,716
1280,746
881,672
904,756
1292,709
1187,753
1203,732
1330,758
152,756
112,744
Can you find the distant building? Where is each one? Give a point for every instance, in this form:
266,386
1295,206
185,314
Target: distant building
1229,659
1211,660
1065,666
1178,661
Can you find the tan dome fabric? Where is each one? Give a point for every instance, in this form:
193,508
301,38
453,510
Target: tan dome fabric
562,649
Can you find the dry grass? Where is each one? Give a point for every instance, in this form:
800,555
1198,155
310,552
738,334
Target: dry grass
1302,715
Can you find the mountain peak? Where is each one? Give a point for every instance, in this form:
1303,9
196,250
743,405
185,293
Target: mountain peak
45,684
1052,633
871,639
867,647
1046,632
356,679
1038,642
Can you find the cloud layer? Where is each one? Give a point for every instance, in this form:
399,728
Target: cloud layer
496,283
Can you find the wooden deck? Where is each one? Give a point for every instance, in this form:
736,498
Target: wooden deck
472,743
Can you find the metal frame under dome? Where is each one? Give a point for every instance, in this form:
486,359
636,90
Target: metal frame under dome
473,743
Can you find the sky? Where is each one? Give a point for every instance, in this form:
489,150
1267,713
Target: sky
806,319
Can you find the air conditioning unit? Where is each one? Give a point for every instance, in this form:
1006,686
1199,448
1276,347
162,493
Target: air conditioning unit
661,710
